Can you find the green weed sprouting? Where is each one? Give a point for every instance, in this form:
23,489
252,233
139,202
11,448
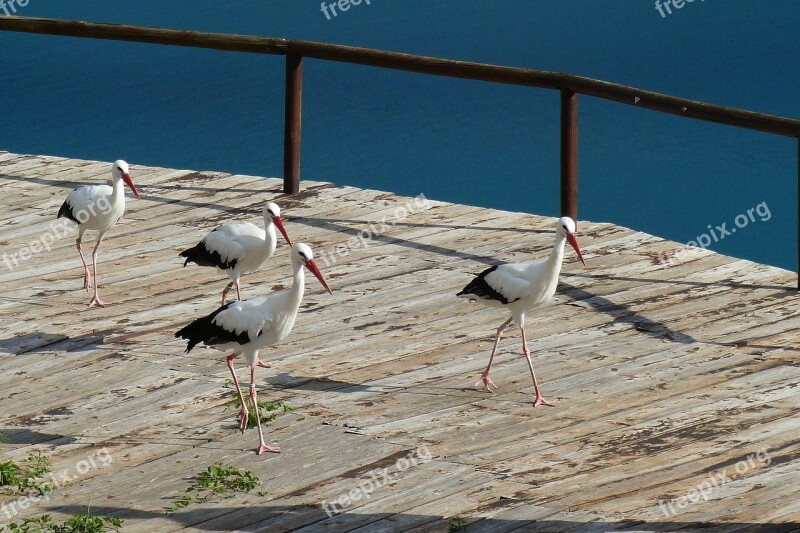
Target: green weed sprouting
26,477
267,411
79,523
217,481
457,524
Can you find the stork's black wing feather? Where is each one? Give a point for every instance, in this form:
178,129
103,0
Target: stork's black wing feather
206,331
66,211
201,255
479,288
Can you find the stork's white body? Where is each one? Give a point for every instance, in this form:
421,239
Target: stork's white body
266,320
244,242
526,285
104,206
237,248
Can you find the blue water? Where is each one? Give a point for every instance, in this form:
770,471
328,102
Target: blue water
455,140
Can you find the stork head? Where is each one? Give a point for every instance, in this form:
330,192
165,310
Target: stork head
302,254
566,228
120,171
272,213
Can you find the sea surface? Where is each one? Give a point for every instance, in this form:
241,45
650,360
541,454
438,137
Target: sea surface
455,140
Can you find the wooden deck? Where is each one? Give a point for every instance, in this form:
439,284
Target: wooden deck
667,375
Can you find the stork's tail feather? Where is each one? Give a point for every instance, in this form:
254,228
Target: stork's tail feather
66,212
194,332
478,288
192,255
202,256
473,288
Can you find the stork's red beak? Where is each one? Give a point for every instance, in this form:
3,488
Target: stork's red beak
279,223
574,243
312,266
127,179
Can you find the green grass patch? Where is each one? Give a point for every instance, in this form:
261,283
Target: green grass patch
79,523
457,524
26,477
267,411
217,481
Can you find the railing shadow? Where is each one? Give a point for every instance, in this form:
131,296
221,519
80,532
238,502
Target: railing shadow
253,517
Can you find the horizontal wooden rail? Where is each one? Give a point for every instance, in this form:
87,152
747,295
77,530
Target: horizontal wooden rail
413,63
140,34
550,80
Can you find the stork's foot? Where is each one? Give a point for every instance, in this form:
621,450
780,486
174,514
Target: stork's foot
264,448
86,284
244,415
262,364
486,381
541,401
97,302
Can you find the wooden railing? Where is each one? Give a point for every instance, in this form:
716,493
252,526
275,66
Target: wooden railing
569,85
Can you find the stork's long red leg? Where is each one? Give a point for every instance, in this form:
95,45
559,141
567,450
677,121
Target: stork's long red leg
262,446
96,301
243,414
486,379
85,266
225,292
539,398
238,293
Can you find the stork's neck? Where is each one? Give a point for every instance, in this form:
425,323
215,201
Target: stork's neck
117,191
557,255
272,234
298,285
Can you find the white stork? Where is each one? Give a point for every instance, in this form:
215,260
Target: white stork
247,326
239,247
98,208
520,287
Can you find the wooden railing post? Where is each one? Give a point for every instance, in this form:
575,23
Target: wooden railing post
569,154
292,123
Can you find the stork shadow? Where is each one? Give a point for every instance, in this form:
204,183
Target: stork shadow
285,381
21,436
38,342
